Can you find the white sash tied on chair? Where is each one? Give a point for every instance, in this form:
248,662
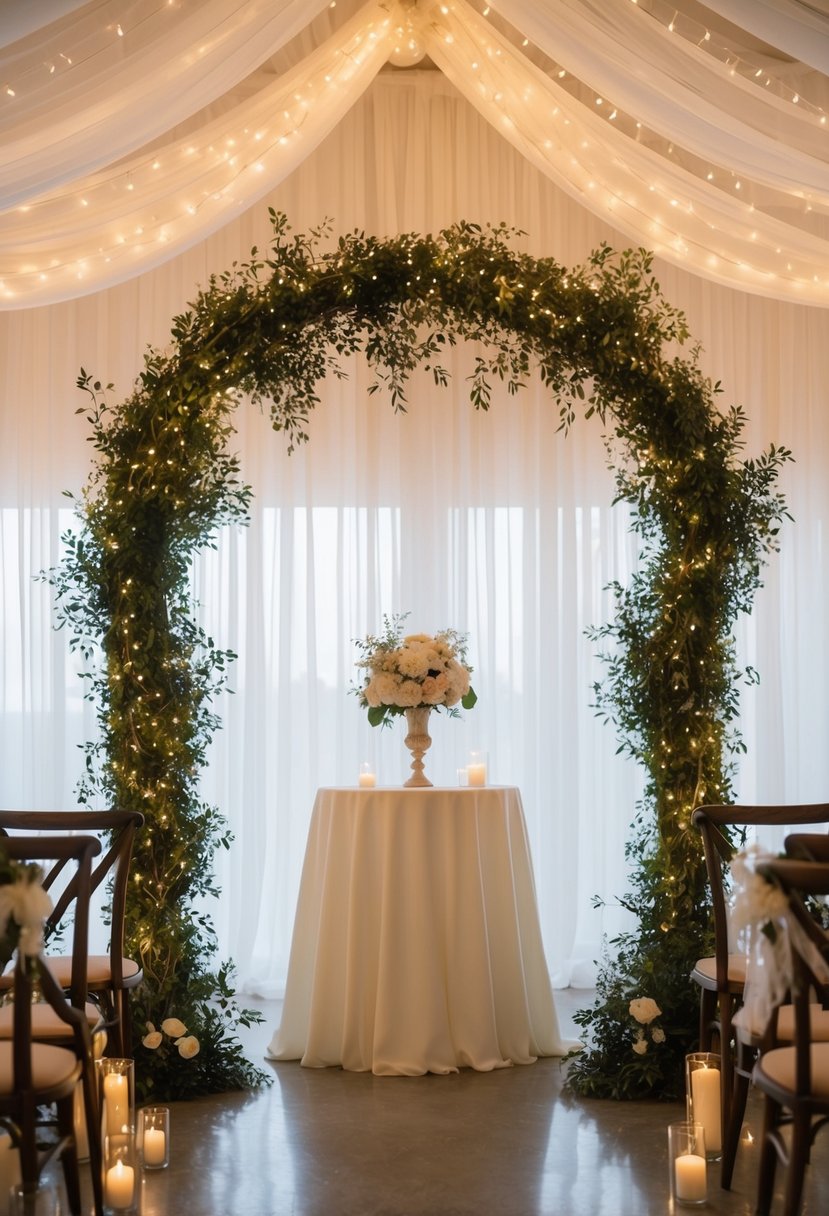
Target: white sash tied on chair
764,922
27,904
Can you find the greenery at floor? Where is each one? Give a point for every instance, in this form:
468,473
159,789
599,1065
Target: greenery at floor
164,481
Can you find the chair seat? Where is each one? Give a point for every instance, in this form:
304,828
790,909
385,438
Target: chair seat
705,972
98,970
818,1022
778,1067
45,1022
52,1067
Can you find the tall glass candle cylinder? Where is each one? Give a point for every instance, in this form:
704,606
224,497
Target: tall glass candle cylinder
704,1098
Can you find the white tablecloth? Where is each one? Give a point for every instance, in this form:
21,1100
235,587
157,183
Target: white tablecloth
416,945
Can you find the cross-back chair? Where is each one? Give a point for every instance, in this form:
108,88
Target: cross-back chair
808,846
721,978
35,1074
110,976
795,1078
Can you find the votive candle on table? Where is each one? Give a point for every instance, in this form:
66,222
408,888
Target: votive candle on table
705,1097
368,778
476,769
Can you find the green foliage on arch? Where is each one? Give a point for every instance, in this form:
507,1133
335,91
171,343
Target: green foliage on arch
164,481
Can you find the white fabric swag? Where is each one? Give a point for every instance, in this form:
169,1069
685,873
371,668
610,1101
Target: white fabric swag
715,159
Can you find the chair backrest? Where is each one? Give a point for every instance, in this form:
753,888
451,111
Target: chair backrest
808,846
719,850
76,852
116,830
801,879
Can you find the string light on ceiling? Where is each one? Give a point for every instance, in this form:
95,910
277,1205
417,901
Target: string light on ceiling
149,207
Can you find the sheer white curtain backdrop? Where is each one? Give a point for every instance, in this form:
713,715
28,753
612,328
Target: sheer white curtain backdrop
492,523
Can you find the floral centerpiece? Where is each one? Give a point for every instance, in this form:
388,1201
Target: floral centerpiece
416,671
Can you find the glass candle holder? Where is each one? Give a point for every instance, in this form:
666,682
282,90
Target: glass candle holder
42,1202
476,769
154,1137
687,1167
368,777
704,1098
122,1177
116,1086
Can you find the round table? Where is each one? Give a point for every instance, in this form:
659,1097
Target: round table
416,945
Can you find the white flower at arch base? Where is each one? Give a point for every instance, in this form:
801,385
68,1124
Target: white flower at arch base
418,670
644,1010
188,1046
172,1029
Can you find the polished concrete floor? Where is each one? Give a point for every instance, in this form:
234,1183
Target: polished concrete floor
507,1143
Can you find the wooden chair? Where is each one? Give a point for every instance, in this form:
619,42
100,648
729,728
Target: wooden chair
808,846
35,1074
721,978
795,1079
110,976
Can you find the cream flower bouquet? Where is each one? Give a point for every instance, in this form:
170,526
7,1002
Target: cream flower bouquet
414,671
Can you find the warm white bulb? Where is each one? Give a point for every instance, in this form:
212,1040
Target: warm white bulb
407,52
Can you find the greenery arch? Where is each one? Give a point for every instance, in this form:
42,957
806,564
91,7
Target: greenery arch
164,481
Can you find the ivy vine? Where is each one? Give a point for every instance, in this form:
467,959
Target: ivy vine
164,481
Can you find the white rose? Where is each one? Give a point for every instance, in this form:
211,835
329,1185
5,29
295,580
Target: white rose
173,1027
640,1046
153,1039
188,1046
644,1009
658,1034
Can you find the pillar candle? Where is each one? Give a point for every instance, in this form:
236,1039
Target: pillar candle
155,1147
690,1177
476,774
116,1103
119,1185
706,1105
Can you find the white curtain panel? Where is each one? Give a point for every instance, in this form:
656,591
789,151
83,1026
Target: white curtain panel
493,523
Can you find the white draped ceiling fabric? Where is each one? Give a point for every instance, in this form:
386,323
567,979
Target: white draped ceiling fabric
141,145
